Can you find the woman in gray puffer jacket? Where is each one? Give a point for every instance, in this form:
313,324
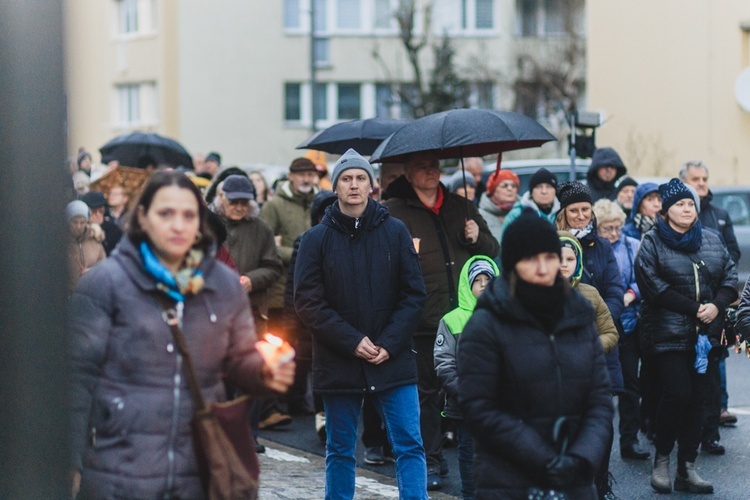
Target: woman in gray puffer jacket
131,406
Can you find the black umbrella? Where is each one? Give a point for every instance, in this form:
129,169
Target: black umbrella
361,135
131,149
462,133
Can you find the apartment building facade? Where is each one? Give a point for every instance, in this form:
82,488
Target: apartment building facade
235,75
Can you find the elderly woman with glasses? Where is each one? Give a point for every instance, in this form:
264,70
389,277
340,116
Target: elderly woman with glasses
610,218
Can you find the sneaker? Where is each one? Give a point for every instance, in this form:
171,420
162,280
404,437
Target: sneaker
713,448
320,426
727,418
434,482
374,455
275,420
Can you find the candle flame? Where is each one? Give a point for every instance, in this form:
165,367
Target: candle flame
273,340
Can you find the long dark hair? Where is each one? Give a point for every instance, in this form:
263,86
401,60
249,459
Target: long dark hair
159,180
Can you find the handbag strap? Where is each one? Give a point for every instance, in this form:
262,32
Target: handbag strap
171,318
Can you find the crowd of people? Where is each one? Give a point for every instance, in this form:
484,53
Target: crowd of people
512,322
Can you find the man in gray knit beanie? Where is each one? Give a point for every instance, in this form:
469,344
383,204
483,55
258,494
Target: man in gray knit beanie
351,159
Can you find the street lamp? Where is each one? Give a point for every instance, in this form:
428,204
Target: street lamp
582,137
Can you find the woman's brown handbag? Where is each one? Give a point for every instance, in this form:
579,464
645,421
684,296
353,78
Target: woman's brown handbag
224,448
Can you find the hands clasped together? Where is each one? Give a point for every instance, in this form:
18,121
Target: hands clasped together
707,312
371,352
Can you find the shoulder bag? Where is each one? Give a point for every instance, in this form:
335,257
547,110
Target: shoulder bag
224,448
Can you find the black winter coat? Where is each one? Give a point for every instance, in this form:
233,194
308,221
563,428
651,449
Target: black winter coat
659,269
351,283
515,380
718,219
442,249
743,313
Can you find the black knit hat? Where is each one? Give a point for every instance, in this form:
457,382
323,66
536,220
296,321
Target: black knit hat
625,181
573,192
542,176
527,236
672,192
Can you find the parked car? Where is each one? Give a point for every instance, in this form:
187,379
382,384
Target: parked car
736,201
524,169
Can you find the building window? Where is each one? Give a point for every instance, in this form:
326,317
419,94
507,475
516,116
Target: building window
137,104
292,102
136,16
383,14
292,16
482,95
349,101
348,14
529,99
321,51
484,14
383,100
549,17
320,102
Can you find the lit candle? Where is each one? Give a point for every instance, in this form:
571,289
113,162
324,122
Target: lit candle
275,351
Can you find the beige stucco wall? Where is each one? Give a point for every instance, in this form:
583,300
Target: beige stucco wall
220,69
664,73
97,59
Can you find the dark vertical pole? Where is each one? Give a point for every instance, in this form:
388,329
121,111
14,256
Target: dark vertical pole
313,70
34,458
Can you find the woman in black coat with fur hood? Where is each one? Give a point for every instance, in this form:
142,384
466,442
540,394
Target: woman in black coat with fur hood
533,382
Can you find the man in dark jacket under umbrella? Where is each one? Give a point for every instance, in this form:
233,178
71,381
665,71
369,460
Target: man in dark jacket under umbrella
606,167
448,231
694,173
359,288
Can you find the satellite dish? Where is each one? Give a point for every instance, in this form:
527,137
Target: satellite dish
742,89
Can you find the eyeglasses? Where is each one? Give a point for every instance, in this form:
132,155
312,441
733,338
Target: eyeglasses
508,185
610,229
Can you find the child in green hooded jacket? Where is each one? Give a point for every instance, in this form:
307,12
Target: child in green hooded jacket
475,275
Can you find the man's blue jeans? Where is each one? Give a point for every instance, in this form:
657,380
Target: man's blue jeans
399,408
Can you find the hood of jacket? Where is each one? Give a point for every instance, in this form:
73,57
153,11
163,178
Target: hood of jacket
605,157
641,192
457,318
284,190
575,278
485,203
324,199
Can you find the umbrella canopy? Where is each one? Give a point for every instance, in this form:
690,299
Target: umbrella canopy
361,135
460,133
128,149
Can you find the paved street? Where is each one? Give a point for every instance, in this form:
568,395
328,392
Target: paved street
293,467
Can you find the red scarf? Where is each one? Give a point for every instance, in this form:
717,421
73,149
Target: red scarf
438,202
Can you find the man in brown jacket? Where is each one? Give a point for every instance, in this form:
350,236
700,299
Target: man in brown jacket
251,244
446,231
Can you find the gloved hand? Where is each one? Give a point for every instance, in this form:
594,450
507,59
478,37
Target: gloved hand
566,471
